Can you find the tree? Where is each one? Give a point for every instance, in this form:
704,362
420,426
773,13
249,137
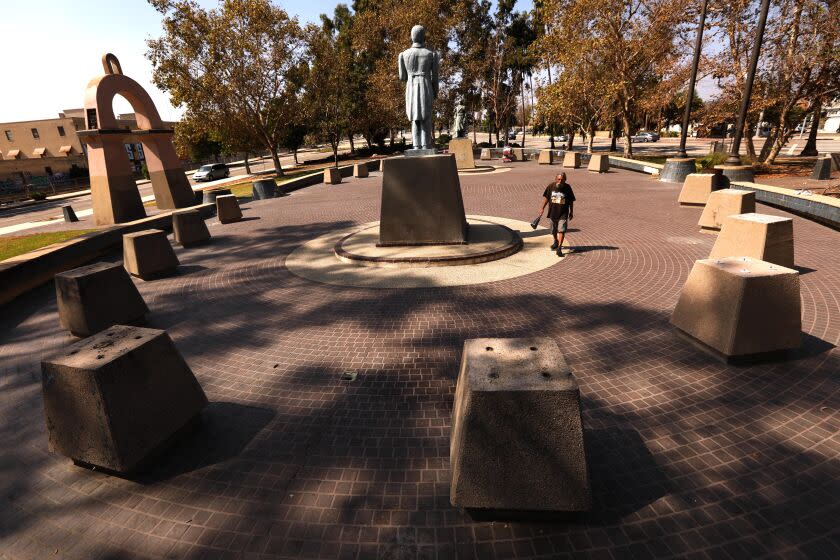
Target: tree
635,39
231,61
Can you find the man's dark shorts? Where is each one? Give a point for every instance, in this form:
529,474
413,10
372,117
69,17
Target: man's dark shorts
559,225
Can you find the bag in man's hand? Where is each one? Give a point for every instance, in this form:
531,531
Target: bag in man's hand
536,222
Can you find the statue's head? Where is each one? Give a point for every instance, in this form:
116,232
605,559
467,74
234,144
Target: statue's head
418,35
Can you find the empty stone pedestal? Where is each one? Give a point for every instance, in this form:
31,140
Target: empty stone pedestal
360,170
462,149
740,307
517,435
116,399
518,154
698,186
546,157
742,173
227,209
571,159
69,214
421,202
148,254
599,163
94,297
332,175
676,170
485,154
189,228
723,203
760,236
822,169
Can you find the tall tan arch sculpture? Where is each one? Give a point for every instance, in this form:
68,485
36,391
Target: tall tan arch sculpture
113,189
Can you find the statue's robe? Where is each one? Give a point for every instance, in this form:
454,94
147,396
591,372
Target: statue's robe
419,67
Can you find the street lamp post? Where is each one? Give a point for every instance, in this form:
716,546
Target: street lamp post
734,159
698,47
677,169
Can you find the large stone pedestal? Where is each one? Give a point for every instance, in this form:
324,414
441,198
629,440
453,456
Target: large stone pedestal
94,297
360,170
599,163
723,203
676,170
115,399
571,159
189,228
518,154
332,175
421,202
742,173
822,169
546,157
148,254
517,435
740,307
760,236
462,149
698,186
263,189
485,154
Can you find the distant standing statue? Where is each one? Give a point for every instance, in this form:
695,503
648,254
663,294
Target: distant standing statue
419,67
460,127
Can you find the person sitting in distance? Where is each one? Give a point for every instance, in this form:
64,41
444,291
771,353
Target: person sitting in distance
560,199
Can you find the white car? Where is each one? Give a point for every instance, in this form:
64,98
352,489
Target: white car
211,172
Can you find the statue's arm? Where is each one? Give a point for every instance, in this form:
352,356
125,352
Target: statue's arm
401,68
435,72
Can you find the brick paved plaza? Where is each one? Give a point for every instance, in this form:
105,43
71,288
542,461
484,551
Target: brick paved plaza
689,458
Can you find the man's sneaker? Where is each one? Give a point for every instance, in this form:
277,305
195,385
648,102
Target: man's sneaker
560,251
554,246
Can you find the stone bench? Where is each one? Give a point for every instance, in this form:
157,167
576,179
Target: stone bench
571,159
116,399
599,163
740,307
94,297
227,209
723,203
760,236
517,434
189,228
360,170
332,175
699,186
148,254
546,157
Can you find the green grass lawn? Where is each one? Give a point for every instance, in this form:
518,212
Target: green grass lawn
13,246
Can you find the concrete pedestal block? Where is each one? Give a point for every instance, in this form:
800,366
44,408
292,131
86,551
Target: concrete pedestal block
227,208
69,214
571,159
462,149
94,297
148,254
517,435
518,154
209,197
332,175
189,228
835,161
546,157
485,154
698,186
360,170
263,189
421,202
599,163
676,170
822,169
760,236
723,203
117,398
740,307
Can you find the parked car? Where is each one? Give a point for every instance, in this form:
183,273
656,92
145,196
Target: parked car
512,135
211,172
649,135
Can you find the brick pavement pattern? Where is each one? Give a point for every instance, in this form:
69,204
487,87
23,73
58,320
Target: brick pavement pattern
689,458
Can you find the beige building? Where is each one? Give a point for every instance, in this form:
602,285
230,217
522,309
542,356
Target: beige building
43,148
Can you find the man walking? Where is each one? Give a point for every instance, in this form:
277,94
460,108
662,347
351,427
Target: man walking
560,199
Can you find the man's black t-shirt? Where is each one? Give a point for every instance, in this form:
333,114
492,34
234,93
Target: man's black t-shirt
559,198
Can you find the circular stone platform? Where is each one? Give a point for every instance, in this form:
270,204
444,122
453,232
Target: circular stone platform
484,169
316,260
488,241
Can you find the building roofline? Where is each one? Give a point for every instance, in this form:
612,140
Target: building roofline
35,120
